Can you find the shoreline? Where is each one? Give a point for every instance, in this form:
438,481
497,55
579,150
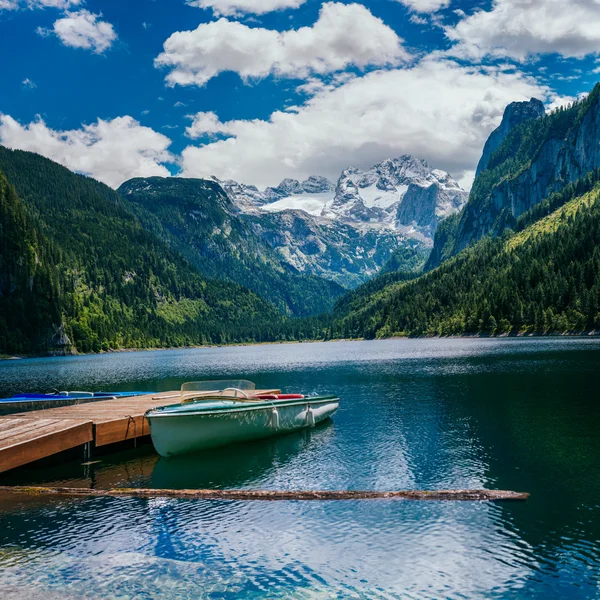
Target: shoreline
584,334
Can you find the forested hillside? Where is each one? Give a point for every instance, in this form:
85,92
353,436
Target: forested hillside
544,278
196,217
29,285
76,261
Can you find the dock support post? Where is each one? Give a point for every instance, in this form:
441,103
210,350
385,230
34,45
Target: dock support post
87,451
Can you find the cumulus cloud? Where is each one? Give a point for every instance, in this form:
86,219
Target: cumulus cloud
111,151
83,29
344,35
61,4
425,6
19,4
523,28
438,110
232,8
205,124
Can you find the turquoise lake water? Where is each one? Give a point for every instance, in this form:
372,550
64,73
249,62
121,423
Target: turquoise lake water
415,414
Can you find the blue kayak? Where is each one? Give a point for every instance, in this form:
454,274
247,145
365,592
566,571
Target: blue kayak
28,402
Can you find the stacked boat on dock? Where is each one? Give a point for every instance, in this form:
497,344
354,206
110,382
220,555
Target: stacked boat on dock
53,399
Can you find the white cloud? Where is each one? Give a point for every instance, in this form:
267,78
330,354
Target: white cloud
84,29
28,83
425,6
18,4
418,19
61,4
111,151
437,110
466,179
523,28
205,124
565,101
343,35
229,8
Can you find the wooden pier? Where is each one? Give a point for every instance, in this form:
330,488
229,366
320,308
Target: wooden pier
27,437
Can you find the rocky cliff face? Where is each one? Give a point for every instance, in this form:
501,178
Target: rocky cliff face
427,204
328,249
535,159
514,114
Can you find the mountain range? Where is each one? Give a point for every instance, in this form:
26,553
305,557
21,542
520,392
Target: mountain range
203,222
403,195
344,233
175,261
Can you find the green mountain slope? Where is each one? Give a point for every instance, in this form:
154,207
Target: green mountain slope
113,284
196,217
543,279
29,290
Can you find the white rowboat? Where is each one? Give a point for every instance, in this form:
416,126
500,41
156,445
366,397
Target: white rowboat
213,414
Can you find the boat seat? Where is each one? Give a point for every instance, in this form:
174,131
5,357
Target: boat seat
253,395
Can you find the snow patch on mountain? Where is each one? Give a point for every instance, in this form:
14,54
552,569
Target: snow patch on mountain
313,204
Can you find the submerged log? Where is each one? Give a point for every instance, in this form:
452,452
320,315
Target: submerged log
472,495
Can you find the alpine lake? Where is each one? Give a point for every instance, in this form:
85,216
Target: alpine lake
514,414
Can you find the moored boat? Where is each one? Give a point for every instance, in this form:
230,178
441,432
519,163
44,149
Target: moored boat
218,413
54,398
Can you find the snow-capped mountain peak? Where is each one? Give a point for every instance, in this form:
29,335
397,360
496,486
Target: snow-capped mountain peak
404,194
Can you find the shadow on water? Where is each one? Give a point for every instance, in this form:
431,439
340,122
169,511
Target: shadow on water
236,466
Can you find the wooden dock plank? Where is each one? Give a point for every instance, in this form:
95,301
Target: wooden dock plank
51,437
24,429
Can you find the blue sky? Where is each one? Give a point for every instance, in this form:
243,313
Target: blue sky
258,90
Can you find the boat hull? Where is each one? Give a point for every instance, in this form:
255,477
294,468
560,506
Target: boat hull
174,434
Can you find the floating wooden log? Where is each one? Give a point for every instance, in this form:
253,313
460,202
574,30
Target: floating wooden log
470,495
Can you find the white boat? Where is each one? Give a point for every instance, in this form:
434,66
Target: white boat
218,413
